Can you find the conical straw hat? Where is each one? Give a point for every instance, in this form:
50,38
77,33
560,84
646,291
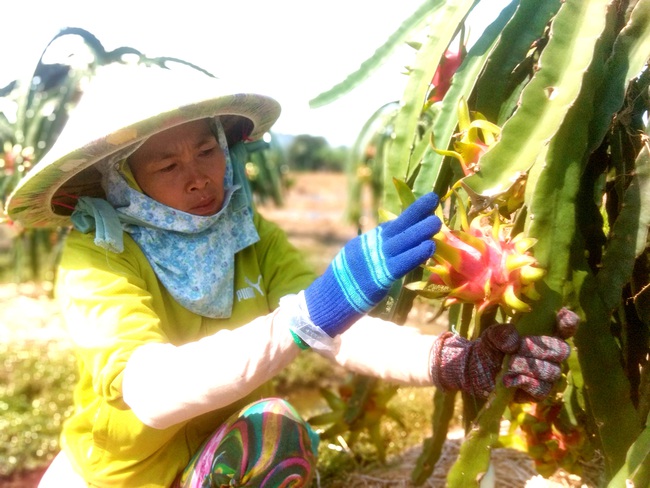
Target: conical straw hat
122,106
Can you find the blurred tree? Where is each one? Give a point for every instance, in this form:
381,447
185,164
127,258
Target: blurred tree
313,153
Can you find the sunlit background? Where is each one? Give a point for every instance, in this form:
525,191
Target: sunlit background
289,49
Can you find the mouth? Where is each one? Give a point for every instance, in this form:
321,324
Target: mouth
208,206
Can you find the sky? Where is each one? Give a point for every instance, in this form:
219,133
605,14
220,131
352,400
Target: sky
289,49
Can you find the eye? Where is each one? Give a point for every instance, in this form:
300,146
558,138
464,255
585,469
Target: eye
167,169
208,151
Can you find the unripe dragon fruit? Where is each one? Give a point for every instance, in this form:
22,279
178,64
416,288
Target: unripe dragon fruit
552,440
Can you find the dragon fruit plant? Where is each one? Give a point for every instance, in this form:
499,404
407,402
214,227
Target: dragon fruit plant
482,262
550,211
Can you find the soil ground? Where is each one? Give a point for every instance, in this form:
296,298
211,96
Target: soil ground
313,216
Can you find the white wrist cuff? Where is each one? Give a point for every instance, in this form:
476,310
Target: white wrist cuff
293,309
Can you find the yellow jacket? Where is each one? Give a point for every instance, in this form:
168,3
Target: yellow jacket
112,304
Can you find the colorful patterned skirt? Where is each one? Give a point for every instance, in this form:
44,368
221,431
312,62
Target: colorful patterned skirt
266,444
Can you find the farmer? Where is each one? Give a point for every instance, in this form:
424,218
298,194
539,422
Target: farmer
183,302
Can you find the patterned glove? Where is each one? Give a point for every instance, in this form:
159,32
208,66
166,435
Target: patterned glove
535,366
472,366
361,274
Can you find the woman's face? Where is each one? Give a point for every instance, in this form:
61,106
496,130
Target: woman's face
183,168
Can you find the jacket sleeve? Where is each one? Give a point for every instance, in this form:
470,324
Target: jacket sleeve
166,384
382,349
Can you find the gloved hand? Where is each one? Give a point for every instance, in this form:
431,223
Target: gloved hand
472,366
361,274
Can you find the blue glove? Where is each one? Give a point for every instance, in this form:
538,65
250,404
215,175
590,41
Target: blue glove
361,274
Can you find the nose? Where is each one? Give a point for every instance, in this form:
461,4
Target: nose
196,178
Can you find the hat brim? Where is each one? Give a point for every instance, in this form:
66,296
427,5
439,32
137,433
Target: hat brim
117,112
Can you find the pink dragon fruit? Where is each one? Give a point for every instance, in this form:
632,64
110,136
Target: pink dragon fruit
482,264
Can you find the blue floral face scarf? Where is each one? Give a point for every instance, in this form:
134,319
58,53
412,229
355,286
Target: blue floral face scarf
193,256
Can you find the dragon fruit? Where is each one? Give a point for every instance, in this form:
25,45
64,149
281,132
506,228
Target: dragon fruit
441,81
482,264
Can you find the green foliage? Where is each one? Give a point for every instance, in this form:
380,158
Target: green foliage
397,38
360,406
36,385
266,171
307,371
313,153
568,83
637,466
337,457
365,163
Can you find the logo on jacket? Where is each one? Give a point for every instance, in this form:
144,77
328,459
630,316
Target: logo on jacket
249,291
